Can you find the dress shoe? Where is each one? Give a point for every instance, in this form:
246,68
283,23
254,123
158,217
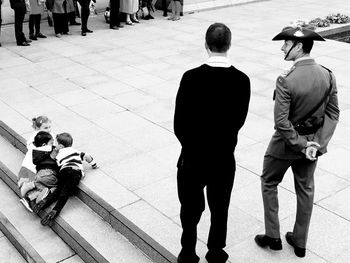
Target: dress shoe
129,23
298,251
40,35
120,26
23,44
114,27
265,241
134,20
28,41
165,14
216,256
185,257
75,23
32,37
58,35
88,31
83,33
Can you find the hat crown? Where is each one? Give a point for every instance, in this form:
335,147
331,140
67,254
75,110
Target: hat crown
298,30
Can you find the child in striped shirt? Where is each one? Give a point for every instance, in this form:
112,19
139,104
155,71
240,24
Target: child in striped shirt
71,171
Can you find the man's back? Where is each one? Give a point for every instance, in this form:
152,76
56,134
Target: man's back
211,107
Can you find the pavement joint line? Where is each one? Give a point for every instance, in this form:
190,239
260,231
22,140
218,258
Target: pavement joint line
132,232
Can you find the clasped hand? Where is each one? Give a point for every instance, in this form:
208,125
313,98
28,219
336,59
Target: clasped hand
311,150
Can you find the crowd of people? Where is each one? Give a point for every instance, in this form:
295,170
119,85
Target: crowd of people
62,13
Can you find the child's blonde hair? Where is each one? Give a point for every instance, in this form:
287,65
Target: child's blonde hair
38,121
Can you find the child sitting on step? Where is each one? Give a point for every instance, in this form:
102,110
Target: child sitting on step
71,171
45,180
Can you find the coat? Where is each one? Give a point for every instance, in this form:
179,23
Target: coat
18,4
297,92
58,6
36,7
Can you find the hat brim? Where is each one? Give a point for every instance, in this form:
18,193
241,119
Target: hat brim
290,35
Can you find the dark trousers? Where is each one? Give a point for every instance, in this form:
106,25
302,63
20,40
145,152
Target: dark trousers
192,178
74,14
19,17
165,7
34,20
85,12
114,19
273,173
60,23
68,180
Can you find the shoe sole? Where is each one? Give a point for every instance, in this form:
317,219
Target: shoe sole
26,205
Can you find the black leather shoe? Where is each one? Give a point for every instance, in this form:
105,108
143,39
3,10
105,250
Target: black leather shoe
75,24
40,35
83,34
265,241
88,31
32,37
120,26
28,41
23,44
216,256
298,251
114,28
187,257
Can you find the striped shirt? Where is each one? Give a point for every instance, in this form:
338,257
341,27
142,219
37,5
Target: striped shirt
71,158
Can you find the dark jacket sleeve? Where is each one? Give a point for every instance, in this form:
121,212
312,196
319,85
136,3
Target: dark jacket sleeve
180,110
18,4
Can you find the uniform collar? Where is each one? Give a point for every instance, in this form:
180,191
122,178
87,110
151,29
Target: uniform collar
303,60
218,61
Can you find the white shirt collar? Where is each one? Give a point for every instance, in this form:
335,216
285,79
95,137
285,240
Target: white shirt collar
301,59
218,61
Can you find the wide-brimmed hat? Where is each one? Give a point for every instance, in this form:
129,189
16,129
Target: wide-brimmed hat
298,32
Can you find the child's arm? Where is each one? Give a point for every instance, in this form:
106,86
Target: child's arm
88,158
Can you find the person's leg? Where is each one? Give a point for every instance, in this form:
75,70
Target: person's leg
38,33
173,10
19,17
85,12
165,8
71,179
127,19
65,27
191,197
273,172
31,26
177,10
303,170
219,190
57,23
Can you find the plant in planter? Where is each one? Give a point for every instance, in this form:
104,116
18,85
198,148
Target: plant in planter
320,22
338,18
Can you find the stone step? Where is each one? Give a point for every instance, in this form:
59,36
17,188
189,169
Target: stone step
109,199
89,235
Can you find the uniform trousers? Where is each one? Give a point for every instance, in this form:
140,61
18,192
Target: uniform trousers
273,173
85,12
19,17
68,180
218,177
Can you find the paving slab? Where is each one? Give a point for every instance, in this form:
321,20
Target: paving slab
115,91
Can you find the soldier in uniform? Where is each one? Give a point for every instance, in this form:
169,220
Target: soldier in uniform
306,90
211,107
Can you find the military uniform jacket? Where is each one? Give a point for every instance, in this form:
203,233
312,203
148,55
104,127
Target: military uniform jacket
297,92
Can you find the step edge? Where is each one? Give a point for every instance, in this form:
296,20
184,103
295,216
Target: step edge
143,241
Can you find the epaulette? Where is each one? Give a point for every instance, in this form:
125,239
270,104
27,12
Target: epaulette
281,78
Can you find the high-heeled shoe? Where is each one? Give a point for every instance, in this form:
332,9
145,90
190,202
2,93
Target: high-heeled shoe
129,23
134,20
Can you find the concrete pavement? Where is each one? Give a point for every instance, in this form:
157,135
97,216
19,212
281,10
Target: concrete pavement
114,91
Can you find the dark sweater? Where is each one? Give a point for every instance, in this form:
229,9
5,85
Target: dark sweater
211,107
42,159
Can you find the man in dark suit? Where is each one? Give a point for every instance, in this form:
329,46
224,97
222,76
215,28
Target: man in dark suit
211,107
306,90
20,9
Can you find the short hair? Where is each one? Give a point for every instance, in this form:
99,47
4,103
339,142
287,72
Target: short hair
65,139
218,38
307,45
42,138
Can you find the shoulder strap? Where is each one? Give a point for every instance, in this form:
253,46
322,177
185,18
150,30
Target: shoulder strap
308,115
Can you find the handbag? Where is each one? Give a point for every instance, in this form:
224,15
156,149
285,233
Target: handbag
309,125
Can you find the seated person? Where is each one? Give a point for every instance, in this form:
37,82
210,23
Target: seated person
71,171
45,180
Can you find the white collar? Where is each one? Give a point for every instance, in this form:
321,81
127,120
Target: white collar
300,59
218,61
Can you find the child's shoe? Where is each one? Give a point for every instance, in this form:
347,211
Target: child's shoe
26,187
47,220
21,181
42,195
26,204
